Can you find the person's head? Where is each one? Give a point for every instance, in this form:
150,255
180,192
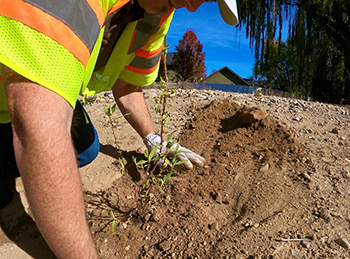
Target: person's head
228,8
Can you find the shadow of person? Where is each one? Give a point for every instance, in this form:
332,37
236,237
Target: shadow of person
20,233
130,166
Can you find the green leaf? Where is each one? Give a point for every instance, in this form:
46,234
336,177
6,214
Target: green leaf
156,158
162,191
167,161
167,177
141,162
153,153
106,112
113,108
169,144
180,162
170,135
113,226
120,162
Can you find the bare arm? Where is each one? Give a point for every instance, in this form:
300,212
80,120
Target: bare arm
130,99
46,159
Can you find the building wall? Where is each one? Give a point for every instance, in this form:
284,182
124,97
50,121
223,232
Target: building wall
218,78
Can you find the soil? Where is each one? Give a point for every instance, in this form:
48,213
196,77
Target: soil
274,185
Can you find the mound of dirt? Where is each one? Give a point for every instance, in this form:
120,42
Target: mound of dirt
252,194
275,185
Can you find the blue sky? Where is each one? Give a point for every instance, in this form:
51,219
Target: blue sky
223,44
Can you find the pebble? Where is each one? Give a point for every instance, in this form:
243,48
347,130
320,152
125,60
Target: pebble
305,244
215,226
296,253
343,242
164,245
265,168
335,131
155,217
218,198
123,225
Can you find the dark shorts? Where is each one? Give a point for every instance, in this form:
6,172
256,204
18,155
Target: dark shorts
84,137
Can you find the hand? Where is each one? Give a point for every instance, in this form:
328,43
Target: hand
174,150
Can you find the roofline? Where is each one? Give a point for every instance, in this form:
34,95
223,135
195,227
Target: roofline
230,71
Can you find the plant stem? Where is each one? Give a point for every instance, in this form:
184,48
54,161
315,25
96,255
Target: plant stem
164,99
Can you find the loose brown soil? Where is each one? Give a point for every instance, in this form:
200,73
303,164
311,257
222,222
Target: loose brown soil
277,187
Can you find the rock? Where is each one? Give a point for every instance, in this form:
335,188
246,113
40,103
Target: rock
215,226
218,198
335,131
328,160
343,242
296,253
147,217
265,168
155,217
253,114
123,225
202,96
164,245
305,244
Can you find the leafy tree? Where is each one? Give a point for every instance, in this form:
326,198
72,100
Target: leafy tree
188,61
317,49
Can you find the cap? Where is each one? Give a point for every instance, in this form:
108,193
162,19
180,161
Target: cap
228,10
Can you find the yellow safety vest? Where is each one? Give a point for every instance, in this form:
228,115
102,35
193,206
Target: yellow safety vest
76,33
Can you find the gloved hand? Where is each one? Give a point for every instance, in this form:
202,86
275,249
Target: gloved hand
174,150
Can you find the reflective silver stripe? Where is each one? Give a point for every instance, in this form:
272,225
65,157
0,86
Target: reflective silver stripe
145,63
76,14
145,29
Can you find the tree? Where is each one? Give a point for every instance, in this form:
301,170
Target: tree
188,61
318,42
278,72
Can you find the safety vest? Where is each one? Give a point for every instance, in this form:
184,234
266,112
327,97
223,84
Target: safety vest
135,58
75,27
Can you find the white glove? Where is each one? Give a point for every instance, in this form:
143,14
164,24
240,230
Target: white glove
175,150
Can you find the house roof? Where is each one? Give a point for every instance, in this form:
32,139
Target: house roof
229,75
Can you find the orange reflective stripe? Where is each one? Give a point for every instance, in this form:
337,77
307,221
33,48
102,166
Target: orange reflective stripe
165,17
49,25
148,54
146,29
97,8
141,71
118,5
132,40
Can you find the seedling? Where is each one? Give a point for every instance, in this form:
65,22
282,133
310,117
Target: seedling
158,158
114,220
109,112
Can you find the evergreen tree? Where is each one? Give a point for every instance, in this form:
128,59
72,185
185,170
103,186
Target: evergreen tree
188,61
